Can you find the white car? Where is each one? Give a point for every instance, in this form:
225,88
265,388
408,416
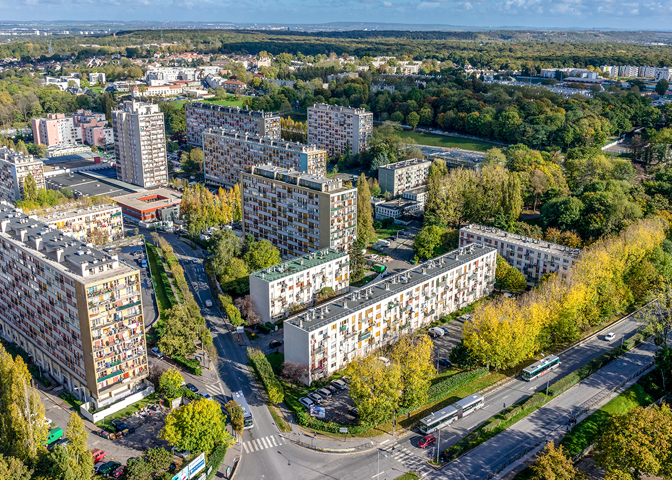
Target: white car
306,402
208,303
609,336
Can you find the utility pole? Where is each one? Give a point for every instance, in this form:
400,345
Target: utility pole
438,446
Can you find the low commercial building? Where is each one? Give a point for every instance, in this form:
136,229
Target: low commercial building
156,90
328,337
227,153
337,128
14,169
398,177
397,208
201,117
96,77
298,213
95,224
533,257
76,310
161,204
296,284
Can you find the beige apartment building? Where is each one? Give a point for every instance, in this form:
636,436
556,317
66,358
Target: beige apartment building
298,213
297,283
336,128
14,169
331,335
75,309
140,144
402,176
533,257
87,224
202,117
227,153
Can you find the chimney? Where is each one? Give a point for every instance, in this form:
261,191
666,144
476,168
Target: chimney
3,225
345,304
38,243
424,270
22,233
59,255
387,286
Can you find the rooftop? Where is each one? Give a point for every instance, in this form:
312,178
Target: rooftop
232,110
12,156
270,142
276,272
150,199
336,108
54,215
92,183
406,163
454,157
294,177
372,294
61,250
521,240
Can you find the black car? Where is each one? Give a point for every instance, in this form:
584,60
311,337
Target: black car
275,344
353,411
332,389
444,362
119,425
192,387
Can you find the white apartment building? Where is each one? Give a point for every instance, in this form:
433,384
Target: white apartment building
298,213
201,117
14,168
140,144
335,128
83,223
329,336
96,78
663,74
399,177
227,153
534,258
156,91
647,72
76,310
297,283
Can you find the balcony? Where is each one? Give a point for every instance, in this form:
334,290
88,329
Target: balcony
364,336
344,328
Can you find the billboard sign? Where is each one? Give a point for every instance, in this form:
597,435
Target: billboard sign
196,465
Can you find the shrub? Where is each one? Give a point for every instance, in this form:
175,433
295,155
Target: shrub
451,383
215,459
264,369
492,425
512,413
192,365
536,399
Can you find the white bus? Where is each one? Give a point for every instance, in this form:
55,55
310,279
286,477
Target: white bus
437,420
247,413
469,404
541,367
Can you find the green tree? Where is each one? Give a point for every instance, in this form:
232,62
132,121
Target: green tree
553,464
462,357
234,315
12,468
152,465
508,277
234,278
428,241
376,389
494,156
412,119
82,461
235,416
662,86
260,255
62,467
178,334
30,188
197,426
365,229
224,246
170,383
21,147
375,188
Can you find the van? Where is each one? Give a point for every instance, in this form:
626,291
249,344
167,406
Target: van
384,243
54,434
439,332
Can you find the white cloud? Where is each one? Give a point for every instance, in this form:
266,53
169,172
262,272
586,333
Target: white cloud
428,5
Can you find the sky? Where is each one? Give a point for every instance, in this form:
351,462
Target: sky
617,14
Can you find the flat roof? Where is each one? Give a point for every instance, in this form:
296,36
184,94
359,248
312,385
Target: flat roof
92,183
232,110
150,199
71,211
280,144
286,269
372,294
412,162
522,240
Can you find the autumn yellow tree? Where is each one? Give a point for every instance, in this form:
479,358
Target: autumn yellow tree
80,456
375,387
414,356
553,464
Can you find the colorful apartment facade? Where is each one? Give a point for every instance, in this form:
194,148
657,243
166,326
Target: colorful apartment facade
15,167
98,223
336,129
201,117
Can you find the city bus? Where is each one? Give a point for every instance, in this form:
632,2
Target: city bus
438,420
468,405
248,422
541,367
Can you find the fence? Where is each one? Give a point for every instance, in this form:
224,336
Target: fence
356,449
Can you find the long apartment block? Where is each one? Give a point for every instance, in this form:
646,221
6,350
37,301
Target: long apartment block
202,117
140,144
298,213
279,289
227,153
86,224
337,128
533,257
14,169
402,176
75,309
330,336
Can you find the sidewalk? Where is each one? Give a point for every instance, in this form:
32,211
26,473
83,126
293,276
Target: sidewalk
232,459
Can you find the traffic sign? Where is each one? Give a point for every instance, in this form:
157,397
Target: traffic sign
343,430
196,465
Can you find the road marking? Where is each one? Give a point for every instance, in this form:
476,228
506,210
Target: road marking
385,441
377,474
263,440
245,447
273,440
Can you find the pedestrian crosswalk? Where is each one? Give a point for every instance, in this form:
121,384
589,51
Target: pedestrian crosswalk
258,444
408,460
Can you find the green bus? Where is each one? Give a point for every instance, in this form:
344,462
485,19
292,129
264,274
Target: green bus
378,268
54,434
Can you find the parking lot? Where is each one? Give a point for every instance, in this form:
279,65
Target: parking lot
337,408
445,343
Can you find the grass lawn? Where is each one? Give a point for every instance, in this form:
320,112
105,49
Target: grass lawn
276,360
364,280
160,288
383,233
447,142
408,476
96,89
70,400
128,411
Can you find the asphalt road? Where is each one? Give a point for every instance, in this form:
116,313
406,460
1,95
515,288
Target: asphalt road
551,418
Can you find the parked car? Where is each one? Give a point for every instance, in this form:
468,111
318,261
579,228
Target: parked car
324,393
345,378
445,330
444,362
275,344
108,468
208,303
143,263
98,455
340,384
332,389
306,402
315,397
425,442
60,441
205,395
157,352
117,472
437,331
353,411
610,336
180,453
192,387
119,425
97,466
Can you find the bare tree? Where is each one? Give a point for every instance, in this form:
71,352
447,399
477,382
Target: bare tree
248,309
294,371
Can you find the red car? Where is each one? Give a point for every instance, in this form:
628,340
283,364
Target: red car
425,442
117,473
98,455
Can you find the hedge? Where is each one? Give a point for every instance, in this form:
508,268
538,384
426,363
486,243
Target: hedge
451,383
192,365
536,399
215,460
264,369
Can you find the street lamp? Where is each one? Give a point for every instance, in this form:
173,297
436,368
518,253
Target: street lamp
378,450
